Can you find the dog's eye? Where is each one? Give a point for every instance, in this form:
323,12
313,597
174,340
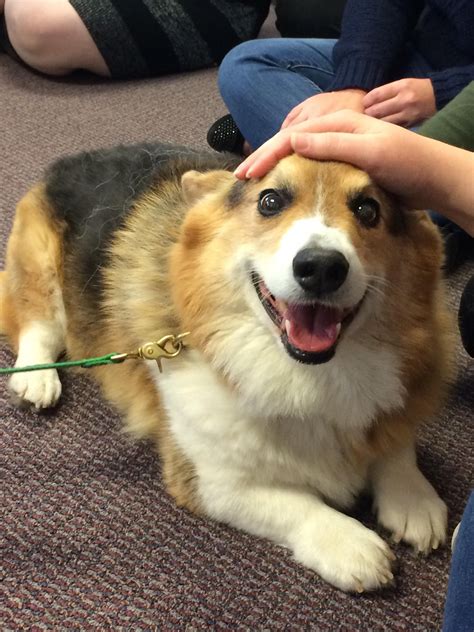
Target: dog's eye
270,203
367,210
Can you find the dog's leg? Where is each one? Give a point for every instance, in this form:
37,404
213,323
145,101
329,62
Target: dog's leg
406,503
40,343
33,316
337,547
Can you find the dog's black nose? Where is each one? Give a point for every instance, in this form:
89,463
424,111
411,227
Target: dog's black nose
320,271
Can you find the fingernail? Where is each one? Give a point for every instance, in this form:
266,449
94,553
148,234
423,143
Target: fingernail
248,175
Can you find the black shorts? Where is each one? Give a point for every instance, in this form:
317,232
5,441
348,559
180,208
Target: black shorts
139,38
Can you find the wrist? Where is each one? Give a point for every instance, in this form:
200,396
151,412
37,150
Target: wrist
354,91
451,191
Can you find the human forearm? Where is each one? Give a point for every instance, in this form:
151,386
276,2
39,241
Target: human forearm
450,188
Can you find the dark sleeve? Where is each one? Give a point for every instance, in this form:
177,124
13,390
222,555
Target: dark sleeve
309,18
373,34
454,124
449,82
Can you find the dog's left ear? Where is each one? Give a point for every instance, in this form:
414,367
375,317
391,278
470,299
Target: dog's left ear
196,185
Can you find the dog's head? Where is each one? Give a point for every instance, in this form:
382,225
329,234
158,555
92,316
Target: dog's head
314,253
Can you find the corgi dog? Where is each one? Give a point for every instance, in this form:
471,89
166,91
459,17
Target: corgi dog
319,337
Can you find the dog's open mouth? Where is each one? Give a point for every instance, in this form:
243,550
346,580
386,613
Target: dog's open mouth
309,331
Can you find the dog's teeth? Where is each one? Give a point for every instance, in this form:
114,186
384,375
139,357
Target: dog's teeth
287,327
338,328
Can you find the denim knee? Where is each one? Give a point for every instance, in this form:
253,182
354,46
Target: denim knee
237,67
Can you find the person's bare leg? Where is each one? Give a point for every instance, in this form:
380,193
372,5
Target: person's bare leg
49,36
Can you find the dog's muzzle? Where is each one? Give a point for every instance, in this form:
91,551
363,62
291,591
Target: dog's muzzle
310,330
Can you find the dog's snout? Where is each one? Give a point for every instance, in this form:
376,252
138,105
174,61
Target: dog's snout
320,271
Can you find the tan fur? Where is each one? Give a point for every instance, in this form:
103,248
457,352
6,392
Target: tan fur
33,266
139,403
6,317
147,315
34,272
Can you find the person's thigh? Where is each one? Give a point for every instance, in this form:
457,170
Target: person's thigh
262,80
50,36
311,58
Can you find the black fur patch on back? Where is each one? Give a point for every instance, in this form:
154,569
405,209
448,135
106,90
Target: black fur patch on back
94,191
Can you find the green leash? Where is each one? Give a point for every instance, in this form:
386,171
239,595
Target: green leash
167,347
86,363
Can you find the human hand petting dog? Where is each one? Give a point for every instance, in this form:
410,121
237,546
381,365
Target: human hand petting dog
325,103
405,102
422,172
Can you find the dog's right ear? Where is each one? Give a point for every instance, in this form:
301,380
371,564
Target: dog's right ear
196,185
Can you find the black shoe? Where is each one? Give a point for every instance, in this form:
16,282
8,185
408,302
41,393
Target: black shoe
466,317
224,135
458,248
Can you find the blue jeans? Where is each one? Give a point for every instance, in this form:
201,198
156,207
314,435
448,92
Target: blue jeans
459,609
262,80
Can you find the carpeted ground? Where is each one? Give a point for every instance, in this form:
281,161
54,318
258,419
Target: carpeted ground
89,539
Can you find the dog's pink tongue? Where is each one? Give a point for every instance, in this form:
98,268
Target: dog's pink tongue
312,327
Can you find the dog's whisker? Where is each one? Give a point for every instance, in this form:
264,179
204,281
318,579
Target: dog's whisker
373,279
373,289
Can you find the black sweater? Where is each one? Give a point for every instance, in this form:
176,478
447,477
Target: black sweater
378,36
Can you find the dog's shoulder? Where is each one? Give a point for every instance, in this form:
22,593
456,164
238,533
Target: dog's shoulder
92,193
112,179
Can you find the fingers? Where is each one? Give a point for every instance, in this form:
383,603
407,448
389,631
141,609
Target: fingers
266,156
340,121
300,118
404,102
321,104
292,116
345,147
384,108
400,118
382,93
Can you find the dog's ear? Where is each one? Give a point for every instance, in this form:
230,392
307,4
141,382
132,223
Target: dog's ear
196,185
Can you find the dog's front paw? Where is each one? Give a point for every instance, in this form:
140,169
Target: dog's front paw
345,553
414,514
40,389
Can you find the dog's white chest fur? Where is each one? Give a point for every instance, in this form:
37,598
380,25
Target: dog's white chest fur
289,434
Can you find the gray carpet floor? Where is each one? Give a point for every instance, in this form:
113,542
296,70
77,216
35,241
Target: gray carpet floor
88,537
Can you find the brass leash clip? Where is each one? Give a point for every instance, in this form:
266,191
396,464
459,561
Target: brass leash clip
167,347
